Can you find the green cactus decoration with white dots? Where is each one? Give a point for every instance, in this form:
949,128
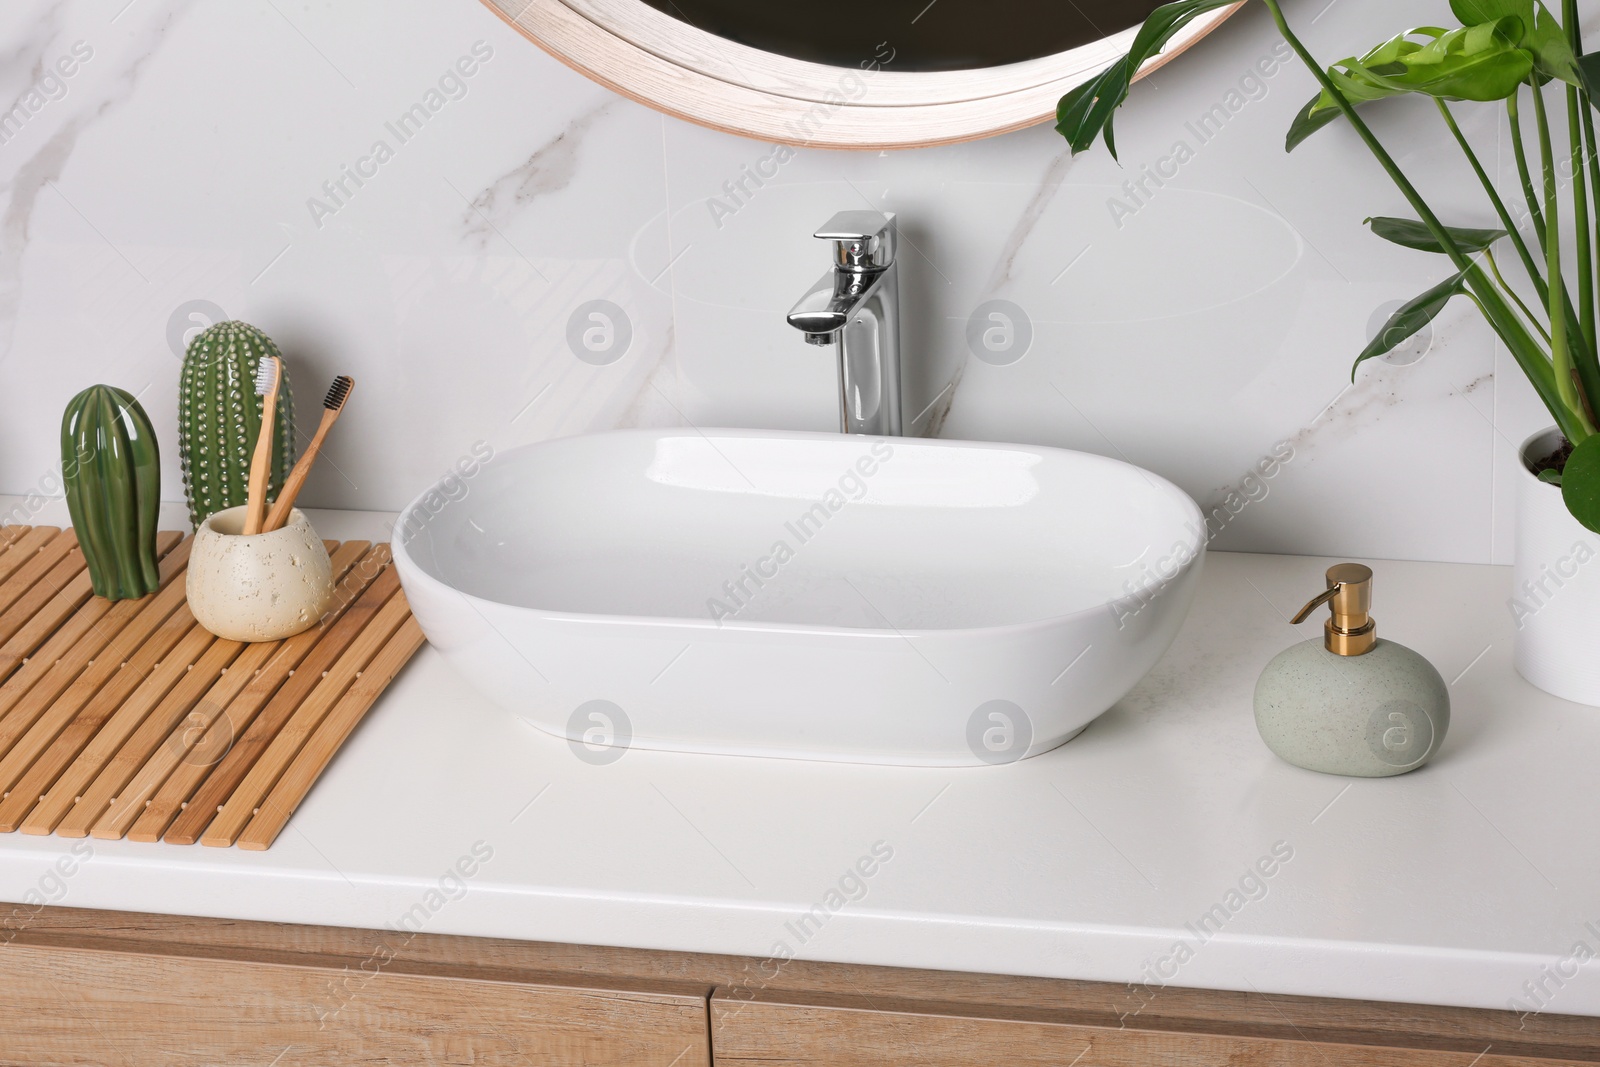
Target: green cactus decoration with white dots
219,418
112,469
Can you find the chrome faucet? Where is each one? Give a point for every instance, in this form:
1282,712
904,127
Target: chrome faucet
856,306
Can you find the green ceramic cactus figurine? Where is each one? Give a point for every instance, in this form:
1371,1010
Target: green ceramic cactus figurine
112,470
219,416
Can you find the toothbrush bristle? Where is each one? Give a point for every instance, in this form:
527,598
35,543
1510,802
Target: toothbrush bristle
266,375
338,392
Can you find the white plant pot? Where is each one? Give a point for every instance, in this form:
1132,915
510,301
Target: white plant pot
1555,598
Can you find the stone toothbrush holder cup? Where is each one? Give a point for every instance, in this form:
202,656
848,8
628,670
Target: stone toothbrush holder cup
263,587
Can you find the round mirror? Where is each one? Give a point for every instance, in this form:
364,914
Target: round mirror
846,73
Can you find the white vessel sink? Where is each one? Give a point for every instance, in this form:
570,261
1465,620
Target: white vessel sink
815,596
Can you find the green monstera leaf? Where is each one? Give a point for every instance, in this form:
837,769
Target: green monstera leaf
1543,34
1411,317
1580,482
1086,112
1483,62
1477,12
1413,234
1553,57
1361,82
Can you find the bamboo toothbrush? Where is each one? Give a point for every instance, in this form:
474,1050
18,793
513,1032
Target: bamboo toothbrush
332,405
268,377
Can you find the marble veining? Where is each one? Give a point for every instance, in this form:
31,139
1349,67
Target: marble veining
549,169
1049,185
1377,391
931,422
42,169
30,48
654,404
464,281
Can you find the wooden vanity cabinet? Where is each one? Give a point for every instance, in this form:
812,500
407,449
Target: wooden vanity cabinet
786,1030
93,987
85,1005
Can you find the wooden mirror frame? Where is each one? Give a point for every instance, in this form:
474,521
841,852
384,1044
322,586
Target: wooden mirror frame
634,49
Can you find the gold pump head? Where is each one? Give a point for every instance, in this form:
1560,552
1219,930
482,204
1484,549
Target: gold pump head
1350,630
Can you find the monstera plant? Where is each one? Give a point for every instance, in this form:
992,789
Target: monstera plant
1514,53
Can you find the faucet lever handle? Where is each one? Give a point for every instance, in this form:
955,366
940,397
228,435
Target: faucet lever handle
862,240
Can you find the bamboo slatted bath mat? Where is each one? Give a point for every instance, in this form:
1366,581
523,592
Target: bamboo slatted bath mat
128,719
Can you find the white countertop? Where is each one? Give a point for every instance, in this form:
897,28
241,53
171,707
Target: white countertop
1455,884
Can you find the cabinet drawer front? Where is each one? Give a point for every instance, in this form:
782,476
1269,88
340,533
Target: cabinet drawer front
768,1032
84,1006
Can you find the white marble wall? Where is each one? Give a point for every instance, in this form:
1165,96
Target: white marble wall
179,171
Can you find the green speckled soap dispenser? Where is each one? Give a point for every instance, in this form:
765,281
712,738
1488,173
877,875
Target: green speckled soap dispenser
1350,703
